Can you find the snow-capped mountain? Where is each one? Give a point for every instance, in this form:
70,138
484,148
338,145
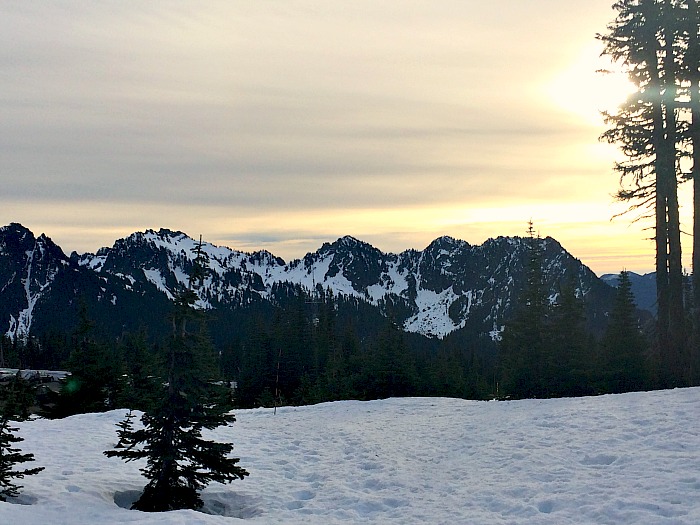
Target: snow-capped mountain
448,286
28,267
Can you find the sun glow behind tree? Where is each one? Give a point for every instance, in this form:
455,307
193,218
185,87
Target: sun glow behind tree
579,90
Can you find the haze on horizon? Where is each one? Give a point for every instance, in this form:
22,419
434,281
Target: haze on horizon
283,125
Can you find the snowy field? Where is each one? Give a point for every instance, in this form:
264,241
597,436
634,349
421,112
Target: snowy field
632,458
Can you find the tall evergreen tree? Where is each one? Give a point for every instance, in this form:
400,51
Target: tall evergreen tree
143,371
692,78
525,358
179,461
343,367
624,345
571,346
391,370
647,37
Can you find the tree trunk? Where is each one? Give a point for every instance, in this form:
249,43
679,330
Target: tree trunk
695,140
694,66
676,311
661,234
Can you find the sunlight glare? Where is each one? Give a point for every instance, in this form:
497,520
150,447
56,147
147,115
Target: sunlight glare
583,90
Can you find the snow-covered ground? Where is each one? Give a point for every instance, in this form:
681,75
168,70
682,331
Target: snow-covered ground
632,458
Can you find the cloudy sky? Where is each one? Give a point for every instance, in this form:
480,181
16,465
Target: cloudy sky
282,124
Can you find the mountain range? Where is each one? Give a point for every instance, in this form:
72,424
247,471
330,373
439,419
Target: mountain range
451,286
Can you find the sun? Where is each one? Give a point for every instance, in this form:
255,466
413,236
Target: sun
583,90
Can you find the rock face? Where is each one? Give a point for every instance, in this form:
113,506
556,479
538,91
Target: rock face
28,268
449,286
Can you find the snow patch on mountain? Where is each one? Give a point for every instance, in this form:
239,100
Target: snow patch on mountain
154,276
433,317
392,281
95,263
35,284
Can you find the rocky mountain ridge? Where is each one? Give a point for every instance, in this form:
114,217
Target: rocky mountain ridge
449,286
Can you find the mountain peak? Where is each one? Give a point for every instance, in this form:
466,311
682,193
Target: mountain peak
448,286
15,226
344,245
163,234
348,241
166,232
15,237
17,231
446,243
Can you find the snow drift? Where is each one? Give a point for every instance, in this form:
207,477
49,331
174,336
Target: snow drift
631,458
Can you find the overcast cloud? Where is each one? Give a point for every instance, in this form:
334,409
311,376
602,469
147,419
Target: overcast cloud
283,124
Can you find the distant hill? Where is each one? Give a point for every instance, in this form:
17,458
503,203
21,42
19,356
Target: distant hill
643,288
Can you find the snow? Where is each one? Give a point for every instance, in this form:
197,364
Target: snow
431,307
301,274
154,276
8,283
433,317
49,375
393,282
617,459
496,333
21,326
177,242
94,262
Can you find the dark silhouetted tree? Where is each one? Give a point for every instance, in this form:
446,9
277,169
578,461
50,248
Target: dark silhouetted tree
655,40
16,397
624,345
97,377
525,359
142,372
572,346
691,78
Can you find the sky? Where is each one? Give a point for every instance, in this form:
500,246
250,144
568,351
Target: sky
283,124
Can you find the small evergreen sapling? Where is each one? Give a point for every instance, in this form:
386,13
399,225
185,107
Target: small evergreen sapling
15,400
126,428
179,461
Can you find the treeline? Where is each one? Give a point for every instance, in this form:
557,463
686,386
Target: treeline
546,350
323,348
307,348
304,349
